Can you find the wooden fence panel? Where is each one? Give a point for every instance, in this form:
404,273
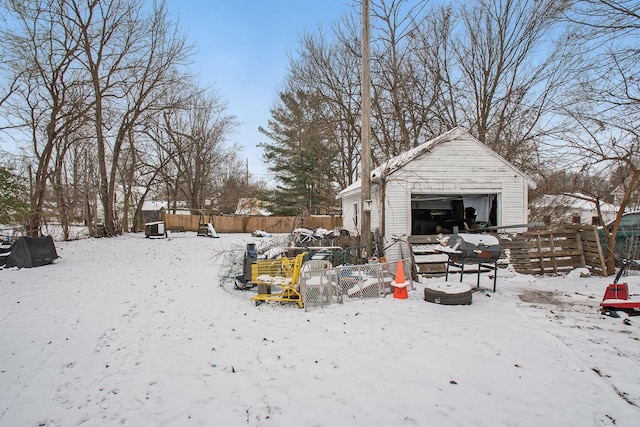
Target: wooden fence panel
176,222
249,224
326,222
229,224
273,224
593,254
556,251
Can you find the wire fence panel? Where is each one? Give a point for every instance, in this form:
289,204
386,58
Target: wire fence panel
341,284
628,247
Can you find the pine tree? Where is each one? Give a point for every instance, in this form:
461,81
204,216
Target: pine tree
13,196
300,156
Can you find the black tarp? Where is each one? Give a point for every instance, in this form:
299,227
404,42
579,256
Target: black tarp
32,252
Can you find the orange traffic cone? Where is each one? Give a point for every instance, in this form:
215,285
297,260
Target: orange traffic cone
400,284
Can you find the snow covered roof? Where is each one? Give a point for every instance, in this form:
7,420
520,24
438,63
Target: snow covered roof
396,163
153,205
579,202
355,186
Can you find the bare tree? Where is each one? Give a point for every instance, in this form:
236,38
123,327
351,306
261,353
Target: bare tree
60,180
431,102
507,74
131,60
80,172
391,80
331,71
147,161
48,98
603,106
156,154
496,71
233,182
197,133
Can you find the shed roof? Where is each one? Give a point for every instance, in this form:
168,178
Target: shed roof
392,165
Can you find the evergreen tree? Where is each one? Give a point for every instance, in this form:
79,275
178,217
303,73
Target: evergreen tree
13,198
300,156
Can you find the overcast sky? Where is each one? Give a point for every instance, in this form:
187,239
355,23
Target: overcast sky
242,49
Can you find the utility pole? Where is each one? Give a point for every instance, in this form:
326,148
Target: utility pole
365,188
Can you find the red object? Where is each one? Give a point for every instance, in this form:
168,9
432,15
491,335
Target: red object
616,297
400,284
616,291
400,292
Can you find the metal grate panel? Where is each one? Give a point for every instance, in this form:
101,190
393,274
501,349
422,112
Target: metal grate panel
321,287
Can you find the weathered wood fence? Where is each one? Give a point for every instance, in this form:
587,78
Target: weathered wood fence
555,251
539,251
249,224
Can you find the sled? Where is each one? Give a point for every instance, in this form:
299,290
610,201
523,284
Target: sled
616,296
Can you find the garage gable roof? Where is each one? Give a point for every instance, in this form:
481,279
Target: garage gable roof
396,163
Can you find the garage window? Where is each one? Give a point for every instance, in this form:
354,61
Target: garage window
356,215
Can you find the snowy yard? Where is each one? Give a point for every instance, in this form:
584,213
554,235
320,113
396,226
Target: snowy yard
134,331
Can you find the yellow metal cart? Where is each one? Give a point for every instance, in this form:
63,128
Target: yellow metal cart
281,272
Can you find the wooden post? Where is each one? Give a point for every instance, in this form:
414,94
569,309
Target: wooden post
365,189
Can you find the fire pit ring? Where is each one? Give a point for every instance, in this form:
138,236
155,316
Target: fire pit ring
447,293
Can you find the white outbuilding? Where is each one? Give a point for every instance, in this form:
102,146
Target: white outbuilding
453,180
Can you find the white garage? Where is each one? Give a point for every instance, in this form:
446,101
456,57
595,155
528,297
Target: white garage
451,181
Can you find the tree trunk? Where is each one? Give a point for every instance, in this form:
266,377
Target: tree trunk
39,187
63,208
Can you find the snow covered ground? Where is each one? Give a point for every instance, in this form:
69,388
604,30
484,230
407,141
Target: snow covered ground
134,331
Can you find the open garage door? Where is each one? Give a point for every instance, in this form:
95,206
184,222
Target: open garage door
441,213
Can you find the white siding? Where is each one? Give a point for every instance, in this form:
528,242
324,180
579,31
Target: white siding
376,208
398,208
459,166
348,212
463,166
398,215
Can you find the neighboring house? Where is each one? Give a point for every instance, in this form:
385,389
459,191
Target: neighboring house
152,210
136,194
633,204
253,206
556,209
429,189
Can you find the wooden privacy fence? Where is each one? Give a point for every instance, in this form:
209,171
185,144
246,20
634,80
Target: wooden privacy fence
555,251
249,224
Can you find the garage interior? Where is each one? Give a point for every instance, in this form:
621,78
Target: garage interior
441,213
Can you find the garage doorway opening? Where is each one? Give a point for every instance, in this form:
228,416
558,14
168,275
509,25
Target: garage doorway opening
441,213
